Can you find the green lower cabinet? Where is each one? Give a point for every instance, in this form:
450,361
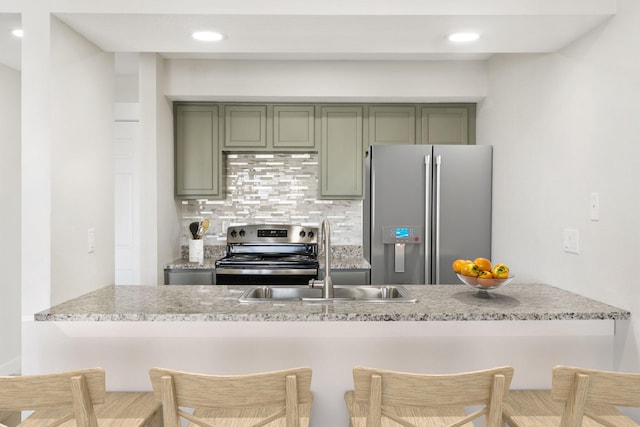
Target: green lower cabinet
189,277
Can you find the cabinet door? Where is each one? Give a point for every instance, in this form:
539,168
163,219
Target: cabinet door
293,126
198,157
189,277
445,125
341,153
245,126
392,125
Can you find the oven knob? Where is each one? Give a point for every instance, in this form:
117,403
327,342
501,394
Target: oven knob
242,233
302,233
234,233
310,234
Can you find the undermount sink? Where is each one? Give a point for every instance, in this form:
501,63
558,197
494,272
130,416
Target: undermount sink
352,293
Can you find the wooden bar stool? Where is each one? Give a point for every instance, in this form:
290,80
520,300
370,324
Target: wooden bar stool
10,418
76,398
389,398
578,397
273,399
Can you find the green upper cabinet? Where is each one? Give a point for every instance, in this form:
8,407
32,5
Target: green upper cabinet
341,153
392,125
271,127
293,127
448,124
198,159
245,126
340,133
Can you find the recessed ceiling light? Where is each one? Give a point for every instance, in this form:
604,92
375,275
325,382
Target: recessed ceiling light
463,37
17,32
207,36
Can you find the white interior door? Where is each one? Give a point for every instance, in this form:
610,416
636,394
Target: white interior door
127,197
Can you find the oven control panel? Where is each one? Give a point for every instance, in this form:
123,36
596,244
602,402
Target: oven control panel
270,233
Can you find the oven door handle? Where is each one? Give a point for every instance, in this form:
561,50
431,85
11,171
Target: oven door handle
271,272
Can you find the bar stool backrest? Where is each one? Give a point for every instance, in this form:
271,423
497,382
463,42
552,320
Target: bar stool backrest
281,393
79,390
583,389
383,389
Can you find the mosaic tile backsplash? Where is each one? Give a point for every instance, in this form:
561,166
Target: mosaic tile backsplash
278,188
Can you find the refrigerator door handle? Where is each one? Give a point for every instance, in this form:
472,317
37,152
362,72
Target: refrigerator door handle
438,166
427,219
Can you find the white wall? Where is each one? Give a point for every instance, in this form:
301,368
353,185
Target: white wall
371,81
160,238
82,177
565,125
169,225
10,220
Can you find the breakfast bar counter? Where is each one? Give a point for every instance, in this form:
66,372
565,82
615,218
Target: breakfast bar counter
129,329
434,303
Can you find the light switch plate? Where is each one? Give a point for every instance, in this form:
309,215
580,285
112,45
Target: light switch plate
91,240
594,206
571,241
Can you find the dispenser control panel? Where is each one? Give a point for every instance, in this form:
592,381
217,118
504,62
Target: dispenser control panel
407,234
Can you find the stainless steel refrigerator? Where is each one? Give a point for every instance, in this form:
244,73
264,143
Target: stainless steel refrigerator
425,206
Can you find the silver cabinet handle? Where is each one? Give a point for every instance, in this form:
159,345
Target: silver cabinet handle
438,166
427,219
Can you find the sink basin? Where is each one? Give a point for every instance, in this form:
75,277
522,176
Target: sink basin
306,294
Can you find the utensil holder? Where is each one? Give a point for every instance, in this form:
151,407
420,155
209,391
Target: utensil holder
196,250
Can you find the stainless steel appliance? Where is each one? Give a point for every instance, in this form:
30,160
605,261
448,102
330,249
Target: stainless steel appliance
269,255
424,207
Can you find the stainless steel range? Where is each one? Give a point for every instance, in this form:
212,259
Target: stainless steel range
269,255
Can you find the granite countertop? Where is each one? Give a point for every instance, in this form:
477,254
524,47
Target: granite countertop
184,264
435,303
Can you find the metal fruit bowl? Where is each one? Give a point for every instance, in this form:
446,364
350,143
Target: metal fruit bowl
484,286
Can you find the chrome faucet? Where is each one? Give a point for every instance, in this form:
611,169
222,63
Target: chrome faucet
327,284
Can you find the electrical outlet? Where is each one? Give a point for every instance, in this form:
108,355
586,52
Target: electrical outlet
594,206
91,240
571,241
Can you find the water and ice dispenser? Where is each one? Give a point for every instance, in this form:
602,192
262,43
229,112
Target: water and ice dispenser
400,236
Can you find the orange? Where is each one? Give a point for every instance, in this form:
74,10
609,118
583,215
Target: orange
501,271
485,274
457,264
483,264
470,269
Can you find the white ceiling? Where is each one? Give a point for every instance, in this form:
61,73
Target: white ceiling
332,33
